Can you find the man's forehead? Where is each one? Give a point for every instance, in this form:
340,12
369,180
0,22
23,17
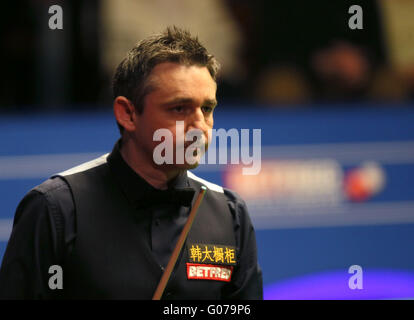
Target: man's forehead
179,99
180,83
171,73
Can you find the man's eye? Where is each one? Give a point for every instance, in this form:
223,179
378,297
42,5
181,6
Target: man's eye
207,109
178,109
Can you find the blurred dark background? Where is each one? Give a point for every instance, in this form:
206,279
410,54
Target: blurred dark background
277,53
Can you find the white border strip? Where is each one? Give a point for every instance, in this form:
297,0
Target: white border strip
379,213
395,152
85,166
40,166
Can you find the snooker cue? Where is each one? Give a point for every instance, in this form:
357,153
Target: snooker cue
174,256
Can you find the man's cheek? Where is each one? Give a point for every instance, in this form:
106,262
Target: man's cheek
209,136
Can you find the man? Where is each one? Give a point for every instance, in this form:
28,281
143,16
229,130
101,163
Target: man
111,224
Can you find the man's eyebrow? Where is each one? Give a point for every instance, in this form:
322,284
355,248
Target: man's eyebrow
210,102
207,102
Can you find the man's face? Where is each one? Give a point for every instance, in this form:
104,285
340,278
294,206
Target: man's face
180,93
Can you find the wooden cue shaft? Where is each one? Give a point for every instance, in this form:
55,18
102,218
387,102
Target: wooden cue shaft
174,256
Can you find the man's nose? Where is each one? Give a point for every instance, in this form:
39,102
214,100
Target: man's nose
197,120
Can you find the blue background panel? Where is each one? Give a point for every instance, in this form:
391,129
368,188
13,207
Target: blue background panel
284,253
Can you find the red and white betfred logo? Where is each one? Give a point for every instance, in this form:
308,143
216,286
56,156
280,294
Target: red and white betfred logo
209,272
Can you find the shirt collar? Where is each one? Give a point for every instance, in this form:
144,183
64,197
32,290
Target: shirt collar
134,187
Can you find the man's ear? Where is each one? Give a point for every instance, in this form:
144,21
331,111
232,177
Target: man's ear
125,113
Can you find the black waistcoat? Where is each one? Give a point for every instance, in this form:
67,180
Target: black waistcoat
112,258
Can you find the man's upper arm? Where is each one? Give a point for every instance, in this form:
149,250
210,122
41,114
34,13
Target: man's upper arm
32,247
247,280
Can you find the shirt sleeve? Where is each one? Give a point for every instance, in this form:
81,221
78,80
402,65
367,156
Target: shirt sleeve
247,283
34,245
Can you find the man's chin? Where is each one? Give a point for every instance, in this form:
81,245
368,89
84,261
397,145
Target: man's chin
187,166
179,167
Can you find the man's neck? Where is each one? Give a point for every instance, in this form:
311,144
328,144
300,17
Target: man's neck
145,167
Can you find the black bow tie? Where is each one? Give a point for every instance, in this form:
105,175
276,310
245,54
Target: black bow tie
180,197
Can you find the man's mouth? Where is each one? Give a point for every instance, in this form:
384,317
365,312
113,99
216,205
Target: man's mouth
194,145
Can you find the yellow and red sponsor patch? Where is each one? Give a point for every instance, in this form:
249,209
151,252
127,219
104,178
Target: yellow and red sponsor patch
210,261
212,253
209,272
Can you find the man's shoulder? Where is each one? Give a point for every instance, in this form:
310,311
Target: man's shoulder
42,200
54,184
86,166
231,195
57,182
